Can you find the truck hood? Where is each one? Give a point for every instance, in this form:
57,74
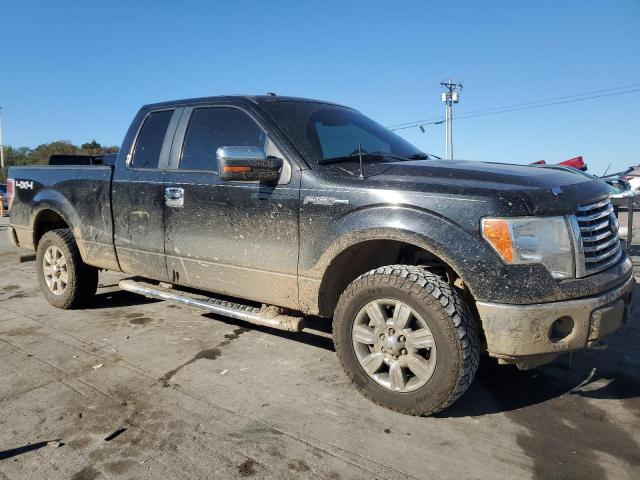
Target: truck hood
539,190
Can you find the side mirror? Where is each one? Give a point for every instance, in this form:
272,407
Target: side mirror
247,164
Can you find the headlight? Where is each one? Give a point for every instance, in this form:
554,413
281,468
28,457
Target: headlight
529,240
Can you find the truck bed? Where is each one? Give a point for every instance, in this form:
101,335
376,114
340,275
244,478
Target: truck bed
80,194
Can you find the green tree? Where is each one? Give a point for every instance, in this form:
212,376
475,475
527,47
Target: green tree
91,148
40,154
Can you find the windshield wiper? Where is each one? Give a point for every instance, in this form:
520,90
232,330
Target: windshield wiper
365,155
422,156
377,155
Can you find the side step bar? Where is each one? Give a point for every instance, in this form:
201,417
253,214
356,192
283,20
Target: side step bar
266,316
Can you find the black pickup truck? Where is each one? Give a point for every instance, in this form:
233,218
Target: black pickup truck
268,209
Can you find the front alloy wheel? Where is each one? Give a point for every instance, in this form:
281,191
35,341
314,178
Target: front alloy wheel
406,339
394,345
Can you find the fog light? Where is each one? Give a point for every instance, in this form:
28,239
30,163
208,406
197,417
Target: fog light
560,329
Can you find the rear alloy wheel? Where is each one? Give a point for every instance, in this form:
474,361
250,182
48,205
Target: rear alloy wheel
66,281
406,339
54,268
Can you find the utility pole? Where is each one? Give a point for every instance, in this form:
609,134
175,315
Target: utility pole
450,96
1,148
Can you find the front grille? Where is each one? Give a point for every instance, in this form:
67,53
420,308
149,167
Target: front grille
599,233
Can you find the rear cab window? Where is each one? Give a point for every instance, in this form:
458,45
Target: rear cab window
146,153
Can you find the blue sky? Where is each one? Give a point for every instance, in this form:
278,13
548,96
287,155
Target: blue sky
80,70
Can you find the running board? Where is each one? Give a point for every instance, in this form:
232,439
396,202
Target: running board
266,316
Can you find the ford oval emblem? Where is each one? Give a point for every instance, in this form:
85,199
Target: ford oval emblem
556,191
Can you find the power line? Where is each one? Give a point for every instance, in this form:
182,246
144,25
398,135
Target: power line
633,85
528,103
549,104
522,106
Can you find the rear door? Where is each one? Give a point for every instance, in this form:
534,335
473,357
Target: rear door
234,238
138,197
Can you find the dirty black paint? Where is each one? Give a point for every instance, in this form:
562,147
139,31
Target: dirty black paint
274,244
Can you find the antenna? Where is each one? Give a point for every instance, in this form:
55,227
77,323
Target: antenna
361,176
605,172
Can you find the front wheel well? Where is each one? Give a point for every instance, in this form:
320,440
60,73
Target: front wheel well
46,221
362,257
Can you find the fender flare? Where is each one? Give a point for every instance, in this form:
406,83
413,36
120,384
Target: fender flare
461,250
49,199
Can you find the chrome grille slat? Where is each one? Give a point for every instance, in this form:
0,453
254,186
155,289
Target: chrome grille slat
596,216
596,238
586,208
593,228
599,242
600,246
605,255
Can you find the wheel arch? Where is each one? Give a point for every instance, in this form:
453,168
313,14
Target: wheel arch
52,210
47,219
367,252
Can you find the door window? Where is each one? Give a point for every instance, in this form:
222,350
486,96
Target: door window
146,153
210,128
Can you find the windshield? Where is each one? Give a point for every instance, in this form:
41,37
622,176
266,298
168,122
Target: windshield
322,132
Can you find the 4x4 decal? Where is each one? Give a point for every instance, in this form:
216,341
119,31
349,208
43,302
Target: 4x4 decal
24,184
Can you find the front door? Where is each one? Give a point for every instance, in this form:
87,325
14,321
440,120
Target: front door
235,238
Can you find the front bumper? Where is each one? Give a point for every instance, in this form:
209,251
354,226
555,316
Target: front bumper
530,335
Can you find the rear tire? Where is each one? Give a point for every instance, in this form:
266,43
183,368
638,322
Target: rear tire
66,281
406,339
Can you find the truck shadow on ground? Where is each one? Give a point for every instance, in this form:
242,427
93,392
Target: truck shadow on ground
563,431
118,298
504,388
315,334
606,374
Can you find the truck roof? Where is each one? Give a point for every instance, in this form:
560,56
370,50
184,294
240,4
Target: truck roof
257,99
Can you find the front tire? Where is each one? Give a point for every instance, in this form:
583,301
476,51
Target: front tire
66,281
406,339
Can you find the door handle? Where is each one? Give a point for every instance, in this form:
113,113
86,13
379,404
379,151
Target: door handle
174,197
